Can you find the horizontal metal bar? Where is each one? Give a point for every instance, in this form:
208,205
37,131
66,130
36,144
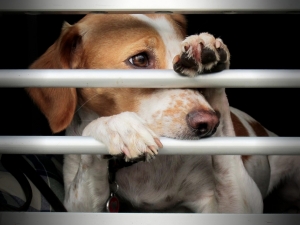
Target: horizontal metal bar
206,146
147,78
29,218
129,6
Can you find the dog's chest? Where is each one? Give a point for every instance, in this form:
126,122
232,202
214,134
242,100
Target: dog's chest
166,182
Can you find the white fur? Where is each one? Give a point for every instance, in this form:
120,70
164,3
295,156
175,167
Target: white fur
124,133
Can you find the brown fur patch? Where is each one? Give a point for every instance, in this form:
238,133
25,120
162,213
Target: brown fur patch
245,158
239,129
259,130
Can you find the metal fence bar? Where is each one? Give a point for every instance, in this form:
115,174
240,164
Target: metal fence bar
129,6
147,78
7,218
206,146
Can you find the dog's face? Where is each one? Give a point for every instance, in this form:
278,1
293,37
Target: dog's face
128,41
125,42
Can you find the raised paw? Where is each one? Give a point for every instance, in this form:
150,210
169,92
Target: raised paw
201,53
125,134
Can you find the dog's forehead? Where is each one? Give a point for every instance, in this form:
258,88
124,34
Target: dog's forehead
174,24
161,23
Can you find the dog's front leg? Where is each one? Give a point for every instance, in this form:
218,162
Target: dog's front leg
235,190
202,54
86,176
86,183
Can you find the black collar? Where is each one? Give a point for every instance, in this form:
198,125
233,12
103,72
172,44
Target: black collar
115,164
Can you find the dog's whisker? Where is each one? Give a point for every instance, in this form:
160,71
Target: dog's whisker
86,102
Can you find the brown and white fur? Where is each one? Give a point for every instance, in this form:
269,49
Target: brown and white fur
129,121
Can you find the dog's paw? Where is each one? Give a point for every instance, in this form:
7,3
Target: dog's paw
201,53
125,134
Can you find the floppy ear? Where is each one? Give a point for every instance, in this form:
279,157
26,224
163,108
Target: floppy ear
59,104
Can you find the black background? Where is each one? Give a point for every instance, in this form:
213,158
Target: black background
256,41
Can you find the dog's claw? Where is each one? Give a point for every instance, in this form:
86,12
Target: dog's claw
126,151
218,44
153,150
157,141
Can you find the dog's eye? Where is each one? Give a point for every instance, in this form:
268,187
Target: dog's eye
139,60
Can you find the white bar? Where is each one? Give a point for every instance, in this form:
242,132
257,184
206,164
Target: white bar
206,146
147,78
42,218
127,6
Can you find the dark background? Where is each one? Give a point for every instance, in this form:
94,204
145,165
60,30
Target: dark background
256,41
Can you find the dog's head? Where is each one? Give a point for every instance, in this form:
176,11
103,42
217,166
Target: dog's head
124,42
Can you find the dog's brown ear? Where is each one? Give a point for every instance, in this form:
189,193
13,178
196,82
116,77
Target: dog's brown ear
65,53
59,104
70,47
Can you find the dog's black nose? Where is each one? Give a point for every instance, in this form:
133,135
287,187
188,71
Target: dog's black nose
203,122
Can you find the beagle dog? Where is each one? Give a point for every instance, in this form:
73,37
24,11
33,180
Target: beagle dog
130,121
